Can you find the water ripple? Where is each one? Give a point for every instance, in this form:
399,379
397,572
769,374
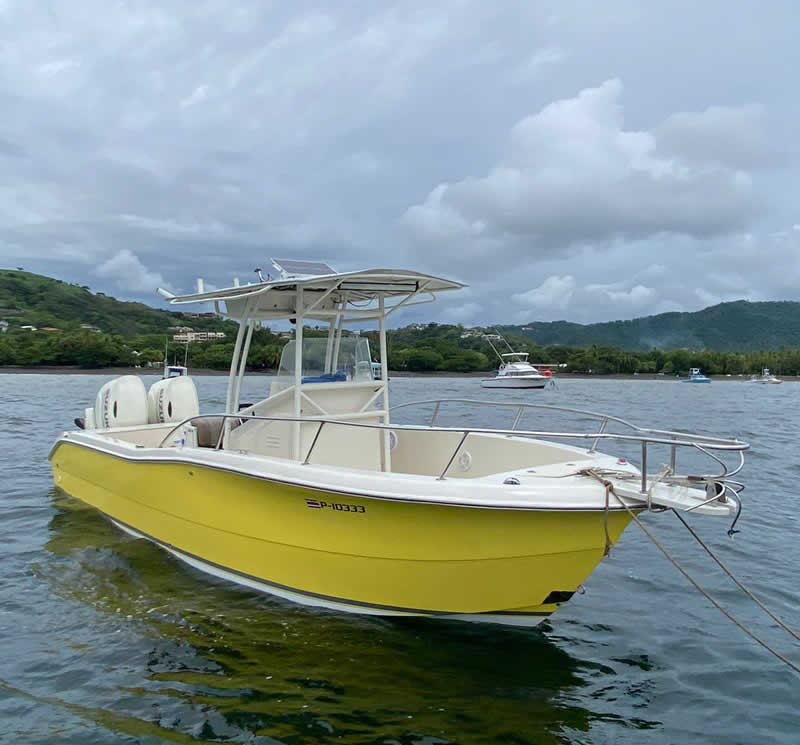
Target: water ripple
109,640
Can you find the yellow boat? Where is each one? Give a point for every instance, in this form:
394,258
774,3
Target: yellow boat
317,495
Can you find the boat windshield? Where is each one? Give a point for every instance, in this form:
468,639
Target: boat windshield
322,363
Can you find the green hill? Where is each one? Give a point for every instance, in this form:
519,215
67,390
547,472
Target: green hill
736,326
730,338
40,301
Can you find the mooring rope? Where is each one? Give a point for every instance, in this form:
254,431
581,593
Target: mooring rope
744,589
610,489
607,549
665,471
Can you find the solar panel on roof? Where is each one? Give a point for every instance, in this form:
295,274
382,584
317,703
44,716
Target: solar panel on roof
294,268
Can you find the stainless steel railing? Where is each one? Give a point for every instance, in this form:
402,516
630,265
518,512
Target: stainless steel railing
643,436
702,443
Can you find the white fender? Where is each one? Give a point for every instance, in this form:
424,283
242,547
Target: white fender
122,402
172,400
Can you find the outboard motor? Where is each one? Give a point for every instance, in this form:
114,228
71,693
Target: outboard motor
172,400
122,402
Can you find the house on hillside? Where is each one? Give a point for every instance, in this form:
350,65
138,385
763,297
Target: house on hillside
28,327
89,327
188,336
49,329
3,327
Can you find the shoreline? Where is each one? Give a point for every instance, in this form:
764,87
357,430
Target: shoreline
154,371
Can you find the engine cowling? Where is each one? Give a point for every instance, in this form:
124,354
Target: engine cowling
122,402
172,400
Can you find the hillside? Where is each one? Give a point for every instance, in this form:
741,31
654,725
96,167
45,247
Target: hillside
731,338
734,326
33,299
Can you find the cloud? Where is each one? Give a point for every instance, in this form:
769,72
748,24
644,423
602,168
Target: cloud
476,140
464,313
636,296
554,292
732,137
197,95
559,293
539,62
130,274
573,174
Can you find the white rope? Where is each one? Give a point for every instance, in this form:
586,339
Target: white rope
665,471
727,571
610,488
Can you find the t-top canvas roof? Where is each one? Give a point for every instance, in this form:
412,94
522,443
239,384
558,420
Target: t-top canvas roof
324,295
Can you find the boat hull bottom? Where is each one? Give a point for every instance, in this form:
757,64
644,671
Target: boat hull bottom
513,383
519,618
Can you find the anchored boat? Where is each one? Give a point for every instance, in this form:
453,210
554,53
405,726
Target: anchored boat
515,371
766,378
695,376
317,495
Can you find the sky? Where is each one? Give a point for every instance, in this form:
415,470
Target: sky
567,160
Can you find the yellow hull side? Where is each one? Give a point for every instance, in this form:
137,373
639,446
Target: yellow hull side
379,553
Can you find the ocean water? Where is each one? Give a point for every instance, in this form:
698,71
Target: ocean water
107,639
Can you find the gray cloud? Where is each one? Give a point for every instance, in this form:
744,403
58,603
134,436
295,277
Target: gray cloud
573,173
155,142
733,137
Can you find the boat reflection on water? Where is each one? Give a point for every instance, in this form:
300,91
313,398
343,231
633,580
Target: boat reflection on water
208,659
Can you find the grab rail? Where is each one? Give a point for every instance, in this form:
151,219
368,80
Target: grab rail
700,443
584,412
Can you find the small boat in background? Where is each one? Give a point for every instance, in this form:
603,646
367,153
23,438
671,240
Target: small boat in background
515,371
766,378
175,370
695,376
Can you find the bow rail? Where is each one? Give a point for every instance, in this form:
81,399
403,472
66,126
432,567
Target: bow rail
675,439
643,436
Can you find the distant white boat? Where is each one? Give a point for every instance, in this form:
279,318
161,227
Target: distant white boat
516,372
766,378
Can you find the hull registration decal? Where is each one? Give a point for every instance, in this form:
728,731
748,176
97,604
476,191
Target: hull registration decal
318,504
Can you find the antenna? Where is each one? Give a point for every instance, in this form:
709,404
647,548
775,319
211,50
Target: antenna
494,348
510,348
257,270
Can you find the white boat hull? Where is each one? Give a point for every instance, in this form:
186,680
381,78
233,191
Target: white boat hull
515,381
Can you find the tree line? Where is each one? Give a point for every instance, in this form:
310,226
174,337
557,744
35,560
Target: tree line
432,348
